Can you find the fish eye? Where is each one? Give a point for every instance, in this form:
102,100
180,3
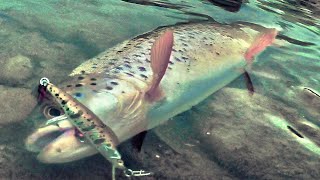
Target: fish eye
52,111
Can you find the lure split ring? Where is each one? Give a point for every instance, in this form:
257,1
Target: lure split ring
44,81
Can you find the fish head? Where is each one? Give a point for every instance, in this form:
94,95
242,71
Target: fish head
57,140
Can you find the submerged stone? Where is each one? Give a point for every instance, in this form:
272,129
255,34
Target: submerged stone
16,70
16,104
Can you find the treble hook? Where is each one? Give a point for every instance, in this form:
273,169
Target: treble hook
130,172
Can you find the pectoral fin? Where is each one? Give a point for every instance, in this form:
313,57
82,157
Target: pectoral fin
160,56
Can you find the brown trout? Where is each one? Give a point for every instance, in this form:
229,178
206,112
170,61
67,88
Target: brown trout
142,82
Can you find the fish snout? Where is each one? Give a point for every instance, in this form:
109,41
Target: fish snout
65,148
58,143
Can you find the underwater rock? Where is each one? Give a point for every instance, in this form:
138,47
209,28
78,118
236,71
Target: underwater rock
16,70
252,137
229,5
16,104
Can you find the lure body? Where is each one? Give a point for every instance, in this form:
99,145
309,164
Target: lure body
99,135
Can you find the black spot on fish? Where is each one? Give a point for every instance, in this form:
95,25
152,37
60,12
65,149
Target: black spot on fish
93,79
119,68
128,62
69,85
123,92
98,141
110,63
129,74
119,51
217,53
80,77
170,62
144,76
174,50
57,95
184,58
67,109
78,85
93,84
114,83
127,65
148,61
142,68
177,59
109,88
82,72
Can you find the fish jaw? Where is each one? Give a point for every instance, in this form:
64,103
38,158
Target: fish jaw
64,148
124,114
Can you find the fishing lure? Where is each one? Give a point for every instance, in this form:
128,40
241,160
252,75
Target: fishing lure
95,131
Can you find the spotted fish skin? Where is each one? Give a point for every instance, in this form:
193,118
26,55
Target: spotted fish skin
205,57
113,85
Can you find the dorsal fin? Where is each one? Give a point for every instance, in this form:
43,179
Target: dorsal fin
160,56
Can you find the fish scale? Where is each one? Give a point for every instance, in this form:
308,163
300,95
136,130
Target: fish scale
201,52
205,57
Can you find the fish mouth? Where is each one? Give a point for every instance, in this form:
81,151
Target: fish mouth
58,143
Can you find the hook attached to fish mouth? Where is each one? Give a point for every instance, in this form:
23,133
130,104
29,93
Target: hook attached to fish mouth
62,148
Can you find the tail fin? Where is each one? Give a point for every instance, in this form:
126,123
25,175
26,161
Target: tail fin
261,42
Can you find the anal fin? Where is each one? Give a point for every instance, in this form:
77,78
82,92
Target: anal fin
137,140
248,82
